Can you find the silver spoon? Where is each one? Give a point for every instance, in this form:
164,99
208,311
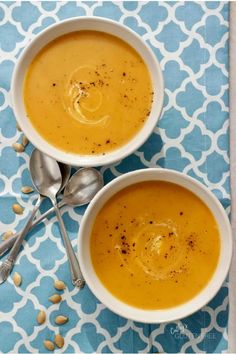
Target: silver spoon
7,265
38,166
80,190
46,176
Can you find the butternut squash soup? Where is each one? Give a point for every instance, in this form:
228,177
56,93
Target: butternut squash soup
155,245
88,92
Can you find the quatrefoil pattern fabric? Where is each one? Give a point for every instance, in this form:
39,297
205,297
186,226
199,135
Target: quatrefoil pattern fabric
191,42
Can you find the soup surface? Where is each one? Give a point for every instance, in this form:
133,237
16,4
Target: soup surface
88,92
155,245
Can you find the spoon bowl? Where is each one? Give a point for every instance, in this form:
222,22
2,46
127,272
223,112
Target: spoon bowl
45,173
82,187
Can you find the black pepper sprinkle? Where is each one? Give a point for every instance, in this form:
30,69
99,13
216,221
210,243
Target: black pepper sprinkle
150,222
123,251
124,74
181,213
191,244
108,141
53,84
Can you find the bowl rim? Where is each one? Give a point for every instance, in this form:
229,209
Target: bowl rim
141,315
90,160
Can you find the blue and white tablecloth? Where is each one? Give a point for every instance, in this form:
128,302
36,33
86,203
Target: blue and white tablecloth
191,42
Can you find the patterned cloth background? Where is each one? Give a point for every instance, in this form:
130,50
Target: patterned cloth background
191,42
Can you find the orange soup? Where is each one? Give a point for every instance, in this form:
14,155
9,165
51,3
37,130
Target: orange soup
88,92
155,245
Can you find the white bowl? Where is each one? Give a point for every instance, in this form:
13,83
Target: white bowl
174,313
77,24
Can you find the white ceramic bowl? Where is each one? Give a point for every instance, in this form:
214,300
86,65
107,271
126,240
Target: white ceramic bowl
174,313
77,24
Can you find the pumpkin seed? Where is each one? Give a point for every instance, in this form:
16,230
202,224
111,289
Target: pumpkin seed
18,147
59,340
41,317
60,320
55,299
7,235
17,208
59,285
49,345
27,189
25,140
17,279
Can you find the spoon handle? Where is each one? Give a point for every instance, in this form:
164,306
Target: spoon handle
8,264
76,274
7,244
